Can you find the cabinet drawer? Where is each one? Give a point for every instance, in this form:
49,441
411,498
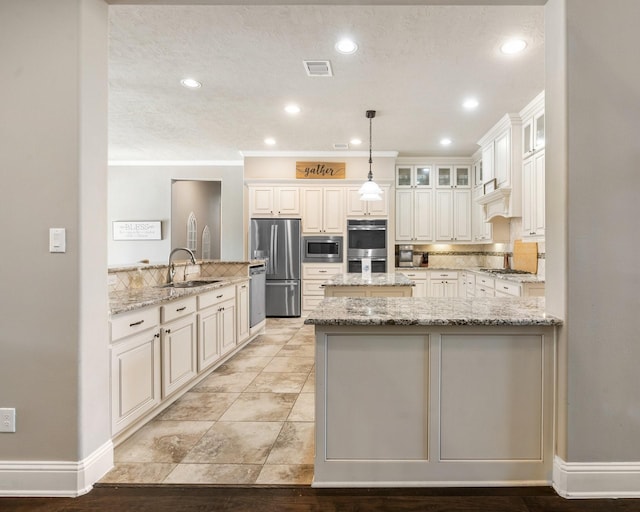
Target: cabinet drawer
177,308
310,302
221,294
125,324
486,282
443,275
508,288
312,287
416,276
321,271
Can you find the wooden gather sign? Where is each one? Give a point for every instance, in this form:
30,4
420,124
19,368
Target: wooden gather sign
321,170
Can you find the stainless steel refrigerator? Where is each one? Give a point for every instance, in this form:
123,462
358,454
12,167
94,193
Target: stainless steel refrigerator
278,241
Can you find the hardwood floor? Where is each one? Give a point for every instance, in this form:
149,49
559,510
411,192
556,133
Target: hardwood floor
167,498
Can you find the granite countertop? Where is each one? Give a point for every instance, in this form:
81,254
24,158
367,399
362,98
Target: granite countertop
514,278
376,279
135,298
431,311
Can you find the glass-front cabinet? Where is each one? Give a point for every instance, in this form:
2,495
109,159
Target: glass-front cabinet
413,176
449,176
533,137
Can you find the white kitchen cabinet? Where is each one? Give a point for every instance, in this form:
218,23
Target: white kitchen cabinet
414,215
496,231
502,161
453,215
274,201
485,286
358,208
323,210
453,176
533,129
413,176
135,366
533,196
242,312
443,284
420,278
216,325
313,276
178,344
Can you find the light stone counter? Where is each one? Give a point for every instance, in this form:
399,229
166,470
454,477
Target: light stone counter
375,279
135,298
431,311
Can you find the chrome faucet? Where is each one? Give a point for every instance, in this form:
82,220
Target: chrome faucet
172,267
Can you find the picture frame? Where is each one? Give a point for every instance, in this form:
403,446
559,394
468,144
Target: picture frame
490,186
137,230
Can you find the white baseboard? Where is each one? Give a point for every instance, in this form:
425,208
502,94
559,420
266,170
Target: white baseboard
596,479
51,478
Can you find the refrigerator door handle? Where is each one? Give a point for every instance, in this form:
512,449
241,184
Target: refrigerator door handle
272,251
275,255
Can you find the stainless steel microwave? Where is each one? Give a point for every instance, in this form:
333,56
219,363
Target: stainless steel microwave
322,249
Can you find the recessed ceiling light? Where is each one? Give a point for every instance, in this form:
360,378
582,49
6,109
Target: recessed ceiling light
470,103
513,46
346,46
269,141
292,109
445,141
190,83
355,142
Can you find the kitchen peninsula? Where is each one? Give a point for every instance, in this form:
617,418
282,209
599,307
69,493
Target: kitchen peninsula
429,391
369,285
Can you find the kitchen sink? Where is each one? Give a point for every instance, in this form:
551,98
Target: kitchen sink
190,284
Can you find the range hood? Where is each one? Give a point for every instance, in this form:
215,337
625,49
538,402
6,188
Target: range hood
496,204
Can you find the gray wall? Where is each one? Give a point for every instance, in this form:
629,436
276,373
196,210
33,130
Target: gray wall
593,156
54,337
203,199
144,193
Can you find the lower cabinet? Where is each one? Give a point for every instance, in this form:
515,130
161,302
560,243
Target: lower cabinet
419,278
179,353
135,378
242,312
313,277
216,325
443,284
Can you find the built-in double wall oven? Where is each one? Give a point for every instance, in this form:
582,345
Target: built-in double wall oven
367,238
322,249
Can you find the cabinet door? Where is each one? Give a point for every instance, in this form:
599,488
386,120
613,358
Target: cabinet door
501,158
451,289
404,215
404,178
539,216
437,289
288,201
423,176
444,215
179,354
312,210
444,176
208,342
379,208
261,201
333,210
527,137
227,322
242,311
538,131
487,163
462,215
135,378
462,177
528,194
355,207
423,215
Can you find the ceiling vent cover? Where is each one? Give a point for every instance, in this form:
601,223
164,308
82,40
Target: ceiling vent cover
340,145
317,67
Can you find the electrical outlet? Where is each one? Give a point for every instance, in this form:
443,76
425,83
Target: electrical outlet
7,420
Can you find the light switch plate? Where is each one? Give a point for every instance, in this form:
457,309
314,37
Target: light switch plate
57,240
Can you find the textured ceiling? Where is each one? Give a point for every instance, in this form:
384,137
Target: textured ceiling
415,65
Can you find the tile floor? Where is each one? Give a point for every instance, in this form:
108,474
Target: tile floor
249,422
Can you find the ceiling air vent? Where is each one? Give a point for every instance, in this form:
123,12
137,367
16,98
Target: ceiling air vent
340,145
317,67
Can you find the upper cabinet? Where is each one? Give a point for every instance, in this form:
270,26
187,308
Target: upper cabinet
414,176
533,136
450,176
502,169
323,210
273,201
358,208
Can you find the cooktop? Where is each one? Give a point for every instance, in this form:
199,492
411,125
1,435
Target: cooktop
504,271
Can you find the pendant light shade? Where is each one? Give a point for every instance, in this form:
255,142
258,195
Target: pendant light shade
370,191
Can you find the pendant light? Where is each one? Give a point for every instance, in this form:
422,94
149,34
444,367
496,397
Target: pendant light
370,191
